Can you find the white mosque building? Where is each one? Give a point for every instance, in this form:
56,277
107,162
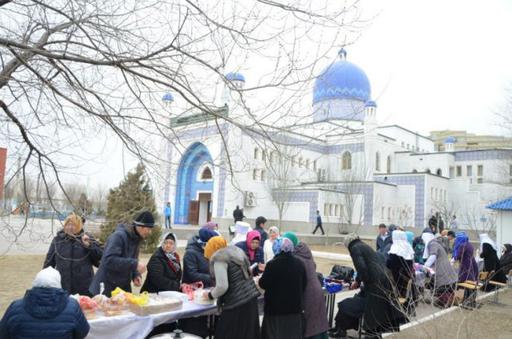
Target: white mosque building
342,163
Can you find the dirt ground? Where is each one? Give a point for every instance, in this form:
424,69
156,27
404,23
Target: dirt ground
489,321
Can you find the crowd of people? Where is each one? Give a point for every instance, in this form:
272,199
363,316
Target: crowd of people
279,266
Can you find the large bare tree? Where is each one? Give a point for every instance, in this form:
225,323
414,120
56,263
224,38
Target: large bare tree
79,74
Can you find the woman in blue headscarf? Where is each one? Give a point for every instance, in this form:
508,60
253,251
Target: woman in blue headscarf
464,252
284,281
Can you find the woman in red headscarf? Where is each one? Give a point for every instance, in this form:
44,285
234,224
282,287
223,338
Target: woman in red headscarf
253,250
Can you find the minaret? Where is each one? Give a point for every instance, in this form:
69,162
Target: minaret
370,138
237,81
449,144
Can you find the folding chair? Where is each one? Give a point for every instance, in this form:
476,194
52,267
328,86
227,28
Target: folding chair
487,276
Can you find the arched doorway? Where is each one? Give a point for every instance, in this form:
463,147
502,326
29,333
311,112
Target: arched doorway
194,186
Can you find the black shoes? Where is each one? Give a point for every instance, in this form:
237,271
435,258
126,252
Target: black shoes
337,333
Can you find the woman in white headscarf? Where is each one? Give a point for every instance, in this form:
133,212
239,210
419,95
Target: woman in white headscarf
273,233
400,261
164,268
488,252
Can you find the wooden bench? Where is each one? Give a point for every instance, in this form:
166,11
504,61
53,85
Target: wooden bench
486,277
470,291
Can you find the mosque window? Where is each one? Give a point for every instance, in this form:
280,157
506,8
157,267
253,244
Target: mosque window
459,171
337,210
469,170
439,172
263,155
403,144
346,161
414,170
389,213
452,171
294,161
377,161
382,212
480,170
326,209
254,174
314,167
207,174
427,170
256,153
307,163
480,181
263,175
300,162
388,164
510,170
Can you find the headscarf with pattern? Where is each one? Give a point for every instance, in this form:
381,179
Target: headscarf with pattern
282,245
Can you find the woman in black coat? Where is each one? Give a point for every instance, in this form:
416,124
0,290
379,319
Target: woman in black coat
506,259
284,281
378,302
491,262
73,253
164,268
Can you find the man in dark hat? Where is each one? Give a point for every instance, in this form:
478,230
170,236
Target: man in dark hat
120,265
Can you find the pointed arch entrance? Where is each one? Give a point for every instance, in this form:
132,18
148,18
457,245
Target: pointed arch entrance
194,191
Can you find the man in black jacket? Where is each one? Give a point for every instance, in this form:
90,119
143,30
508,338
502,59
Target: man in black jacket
120,265
383,239
260,227
238,214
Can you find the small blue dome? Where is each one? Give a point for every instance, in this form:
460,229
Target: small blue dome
168,97
371,103
234,76
450,140
342,80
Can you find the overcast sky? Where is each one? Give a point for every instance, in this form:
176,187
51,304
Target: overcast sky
437,64
432,65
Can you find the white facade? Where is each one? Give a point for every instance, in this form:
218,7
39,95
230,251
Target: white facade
360,173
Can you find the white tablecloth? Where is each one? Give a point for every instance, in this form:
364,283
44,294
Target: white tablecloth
132,326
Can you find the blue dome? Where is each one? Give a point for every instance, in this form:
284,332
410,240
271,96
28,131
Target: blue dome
450,140
168,97
371,103
234,76
342,80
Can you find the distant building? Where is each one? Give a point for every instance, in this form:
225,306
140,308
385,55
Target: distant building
469,141
3,160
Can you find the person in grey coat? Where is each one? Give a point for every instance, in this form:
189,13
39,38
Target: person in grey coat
445,277
74,253
120,265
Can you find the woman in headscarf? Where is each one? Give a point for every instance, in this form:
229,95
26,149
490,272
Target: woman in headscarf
315,313
506,258
273,234
464,253
284,281
445,278
400,262
74,253
488,252
376,302
253,250
164,268
164,274
45,312
235,291
410,237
